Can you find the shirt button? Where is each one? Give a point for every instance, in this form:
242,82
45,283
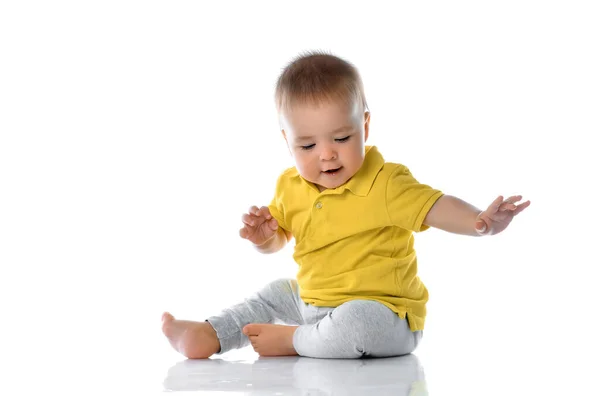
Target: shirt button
319,205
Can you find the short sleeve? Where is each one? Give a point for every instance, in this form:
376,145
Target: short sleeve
409,201
276,206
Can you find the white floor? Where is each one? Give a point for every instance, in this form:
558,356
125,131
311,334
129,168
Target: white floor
474,370
470,371
298,376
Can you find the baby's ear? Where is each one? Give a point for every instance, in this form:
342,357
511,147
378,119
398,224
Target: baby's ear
367,121
286,142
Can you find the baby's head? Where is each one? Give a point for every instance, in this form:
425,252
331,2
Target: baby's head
323,117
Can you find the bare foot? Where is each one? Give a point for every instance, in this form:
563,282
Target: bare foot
271,340
194,340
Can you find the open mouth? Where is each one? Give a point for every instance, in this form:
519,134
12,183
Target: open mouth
332,171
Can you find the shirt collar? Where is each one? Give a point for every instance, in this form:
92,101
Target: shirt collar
360,184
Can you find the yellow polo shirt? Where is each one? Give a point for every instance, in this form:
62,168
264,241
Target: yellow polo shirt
356,241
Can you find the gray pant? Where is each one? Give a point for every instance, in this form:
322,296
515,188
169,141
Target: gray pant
354,329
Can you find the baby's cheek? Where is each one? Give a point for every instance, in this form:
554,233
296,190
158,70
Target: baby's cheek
304,169
305,173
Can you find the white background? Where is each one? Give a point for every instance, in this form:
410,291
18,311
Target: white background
134,135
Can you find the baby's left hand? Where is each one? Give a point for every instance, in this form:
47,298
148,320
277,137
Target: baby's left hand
499,214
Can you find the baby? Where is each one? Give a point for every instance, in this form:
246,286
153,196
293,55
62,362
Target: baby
352,215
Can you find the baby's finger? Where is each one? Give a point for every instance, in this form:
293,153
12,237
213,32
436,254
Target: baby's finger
254,210
248,220
507,206
521,207
264,211
273,224
513,199
494,206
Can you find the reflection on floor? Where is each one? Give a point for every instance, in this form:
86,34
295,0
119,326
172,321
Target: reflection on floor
401,375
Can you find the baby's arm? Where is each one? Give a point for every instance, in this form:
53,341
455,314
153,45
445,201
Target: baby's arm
457,216
453,215
276,243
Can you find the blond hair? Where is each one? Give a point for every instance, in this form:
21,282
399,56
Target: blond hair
316,77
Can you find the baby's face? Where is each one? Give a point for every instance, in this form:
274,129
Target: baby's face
327,141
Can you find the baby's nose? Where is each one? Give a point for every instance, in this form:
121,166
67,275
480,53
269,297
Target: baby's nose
327,154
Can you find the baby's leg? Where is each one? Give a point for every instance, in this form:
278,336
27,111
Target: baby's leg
277,300
355,329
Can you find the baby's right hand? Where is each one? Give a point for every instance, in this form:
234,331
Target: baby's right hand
259,225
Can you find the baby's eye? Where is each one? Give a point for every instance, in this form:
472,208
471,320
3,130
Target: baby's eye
308,147
341,140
